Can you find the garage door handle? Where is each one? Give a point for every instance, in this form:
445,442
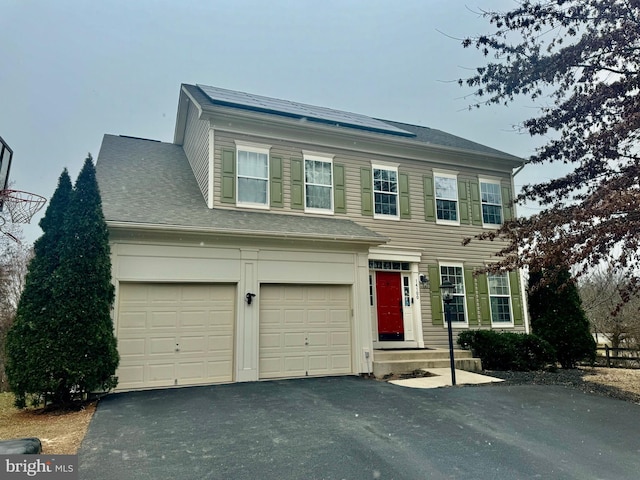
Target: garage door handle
177,349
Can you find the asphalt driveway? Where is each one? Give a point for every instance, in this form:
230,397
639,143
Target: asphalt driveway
352,428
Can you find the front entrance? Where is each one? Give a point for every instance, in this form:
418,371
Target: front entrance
389,306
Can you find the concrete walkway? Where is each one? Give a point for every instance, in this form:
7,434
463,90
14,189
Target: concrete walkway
441,377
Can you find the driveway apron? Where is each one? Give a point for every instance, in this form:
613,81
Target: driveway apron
353,428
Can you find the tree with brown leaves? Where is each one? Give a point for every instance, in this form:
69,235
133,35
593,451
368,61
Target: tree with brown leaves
579,62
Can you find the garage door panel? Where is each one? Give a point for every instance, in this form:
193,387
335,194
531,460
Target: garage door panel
302,328
163,319
132,347
156,319
294,316
295,364
270,341
133,320
220,343
293,340
340,339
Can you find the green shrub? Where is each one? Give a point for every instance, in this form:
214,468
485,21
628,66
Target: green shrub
507,350
557,316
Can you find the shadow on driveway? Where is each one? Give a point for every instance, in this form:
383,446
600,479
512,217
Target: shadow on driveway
353,428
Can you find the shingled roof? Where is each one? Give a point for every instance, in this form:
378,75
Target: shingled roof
150,183
207,96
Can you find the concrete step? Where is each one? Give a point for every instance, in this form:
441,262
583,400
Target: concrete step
383,366
418,354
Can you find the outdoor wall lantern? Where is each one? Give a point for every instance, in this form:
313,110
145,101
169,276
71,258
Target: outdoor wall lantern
424,280
448,289
249,296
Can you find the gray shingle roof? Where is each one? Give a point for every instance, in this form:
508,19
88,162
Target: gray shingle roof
435,137
416,133
151,183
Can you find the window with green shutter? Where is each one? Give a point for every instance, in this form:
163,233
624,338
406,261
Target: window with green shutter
405,198
429,205
437,312
318,183
339,189
228,194
275,181
366,192
297,184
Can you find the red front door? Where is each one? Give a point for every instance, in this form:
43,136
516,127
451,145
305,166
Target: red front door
389,306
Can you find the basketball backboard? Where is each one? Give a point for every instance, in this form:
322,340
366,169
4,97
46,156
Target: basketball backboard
5,164
6,154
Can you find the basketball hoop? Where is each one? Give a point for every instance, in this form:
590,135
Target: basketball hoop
21,206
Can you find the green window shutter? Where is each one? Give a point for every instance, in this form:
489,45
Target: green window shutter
366,191
483,293
516,298
437,314
470,289
429,200
464,201
275,181
297,184
476,205
339,189
507,203
405,199
228,176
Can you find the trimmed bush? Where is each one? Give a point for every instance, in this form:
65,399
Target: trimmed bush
508,350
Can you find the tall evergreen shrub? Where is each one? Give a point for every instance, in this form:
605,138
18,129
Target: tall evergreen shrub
557,316
67,348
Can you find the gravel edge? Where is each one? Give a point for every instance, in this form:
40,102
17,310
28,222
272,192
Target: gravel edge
574,378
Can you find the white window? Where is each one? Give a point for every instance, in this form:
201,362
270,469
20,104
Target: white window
499,298
385,191
253,176
455,274
446,188
491,202
318,183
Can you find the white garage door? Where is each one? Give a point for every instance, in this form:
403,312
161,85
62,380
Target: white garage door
305,330
175,334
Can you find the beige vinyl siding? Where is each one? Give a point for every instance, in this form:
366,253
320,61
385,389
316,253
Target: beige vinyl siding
196,148
439,243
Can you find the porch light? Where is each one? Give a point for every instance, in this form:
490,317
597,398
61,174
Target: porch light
448,289
424,280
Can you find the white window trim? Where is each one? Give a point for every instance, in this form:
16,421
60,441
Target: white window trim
495,182
464,296
392,167
501,324
257,148
317,157
454,176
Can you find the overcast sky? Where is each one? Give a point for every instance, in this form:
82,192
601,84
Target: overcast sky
72,71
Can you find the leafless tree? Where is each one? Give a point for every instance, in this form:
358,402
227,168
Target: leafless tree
602,293
14,260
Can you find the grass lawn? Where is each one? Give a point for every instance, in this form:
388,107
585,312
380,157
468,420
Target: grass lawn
60,432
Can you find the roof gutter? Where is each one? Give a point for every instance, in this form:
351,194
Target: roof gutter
153,227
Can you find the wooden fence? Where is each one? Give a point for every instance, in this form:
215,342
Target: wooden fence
618,357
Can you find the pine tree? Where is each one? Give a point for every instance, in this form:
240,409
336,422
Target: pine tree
557,316
62,344
84,294
30,341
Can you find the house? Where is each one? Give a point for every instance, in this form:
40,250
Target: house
273,239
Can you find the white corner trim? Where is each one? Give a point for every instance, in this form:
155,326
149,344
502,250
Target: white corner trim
212,152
